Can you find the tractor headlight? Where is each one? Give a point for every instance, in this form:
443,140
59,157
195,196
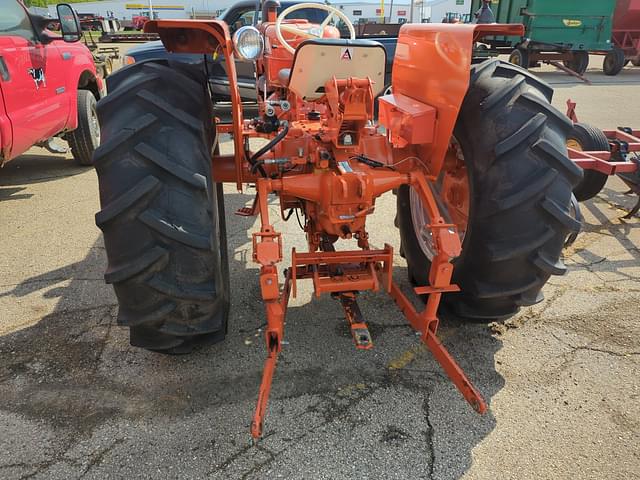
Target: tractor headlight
249,43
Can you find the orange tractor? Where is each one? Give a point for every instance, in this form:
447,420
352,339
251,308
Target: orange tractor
474,151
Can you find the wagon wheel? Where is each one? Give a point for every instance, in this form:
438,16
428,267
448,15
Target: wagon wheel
579,62
614,62
520,57
586,137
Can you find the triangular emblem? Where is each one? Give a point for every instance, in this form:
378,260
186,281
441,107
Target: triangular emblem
346,54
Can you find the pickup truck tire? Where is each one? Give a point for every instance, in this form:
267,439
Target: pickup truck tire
85,139
520,190
162,215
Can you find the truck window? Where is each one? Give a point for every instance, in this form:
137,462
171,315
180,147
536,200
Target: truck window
14,21
245,17
243,20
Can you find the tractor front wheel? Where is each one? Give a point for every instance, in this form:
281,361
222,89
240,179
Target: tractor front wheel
507,185
162,215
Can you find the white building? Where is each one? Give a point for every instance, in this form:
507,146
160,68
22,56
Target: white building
440,8
398,11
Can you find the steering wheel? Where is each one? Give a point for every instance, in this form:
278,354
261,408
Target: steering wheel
314,32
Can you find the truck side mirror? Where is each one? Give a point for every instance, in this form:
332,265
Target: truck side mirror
69,23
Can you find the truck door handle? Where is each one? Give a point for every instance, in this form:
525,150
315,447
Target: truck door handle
4,71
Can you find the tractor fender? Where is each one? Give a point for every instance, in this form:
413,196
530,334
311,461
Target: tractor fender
208,37
432,65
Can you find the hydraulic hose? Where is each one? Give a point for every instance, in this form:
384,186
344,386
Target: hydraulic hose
257,164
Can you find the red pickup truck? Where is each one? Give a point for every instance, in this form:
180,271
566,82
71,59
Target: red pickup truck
48,84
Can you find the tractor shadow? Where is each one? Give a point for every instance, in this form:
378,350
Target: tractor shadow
73,373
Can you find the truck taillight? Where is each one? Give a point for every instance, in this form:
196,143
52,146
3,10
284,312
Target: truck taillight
128,60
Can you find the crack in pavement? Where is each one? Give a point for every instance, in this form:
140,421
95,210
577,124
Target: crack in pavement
587,347
97,457
429,434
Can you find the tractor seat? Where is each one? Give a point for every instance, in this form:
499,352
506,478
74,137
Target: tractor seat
316,61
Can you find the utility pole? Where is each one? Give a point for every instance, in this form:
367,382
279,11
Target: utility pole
150,10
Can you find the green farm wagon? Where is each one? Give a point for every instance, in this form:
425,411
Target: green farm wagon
564,30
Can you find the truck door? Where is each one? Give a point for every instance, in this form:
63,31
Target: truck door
33,82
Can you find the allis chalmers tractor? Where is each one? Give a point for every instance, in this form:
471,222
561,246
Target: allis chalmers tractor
475,152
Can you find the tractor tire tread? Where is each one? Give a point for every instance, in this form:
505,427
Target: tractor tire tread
126,200
559,161
547,265
179,233
561,215
508,70
505,90
181,115
137,265
508,250
171,167
520,136
548,109
104,152
524,195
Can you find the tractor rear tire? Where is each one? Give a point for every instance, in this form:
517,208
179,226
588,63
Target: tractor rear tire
613,62
162,215
521,179
586,137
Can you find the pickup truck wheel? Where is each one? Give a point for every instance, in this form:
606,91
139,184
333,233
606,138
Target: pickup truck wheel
86,138
508,188
162,214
